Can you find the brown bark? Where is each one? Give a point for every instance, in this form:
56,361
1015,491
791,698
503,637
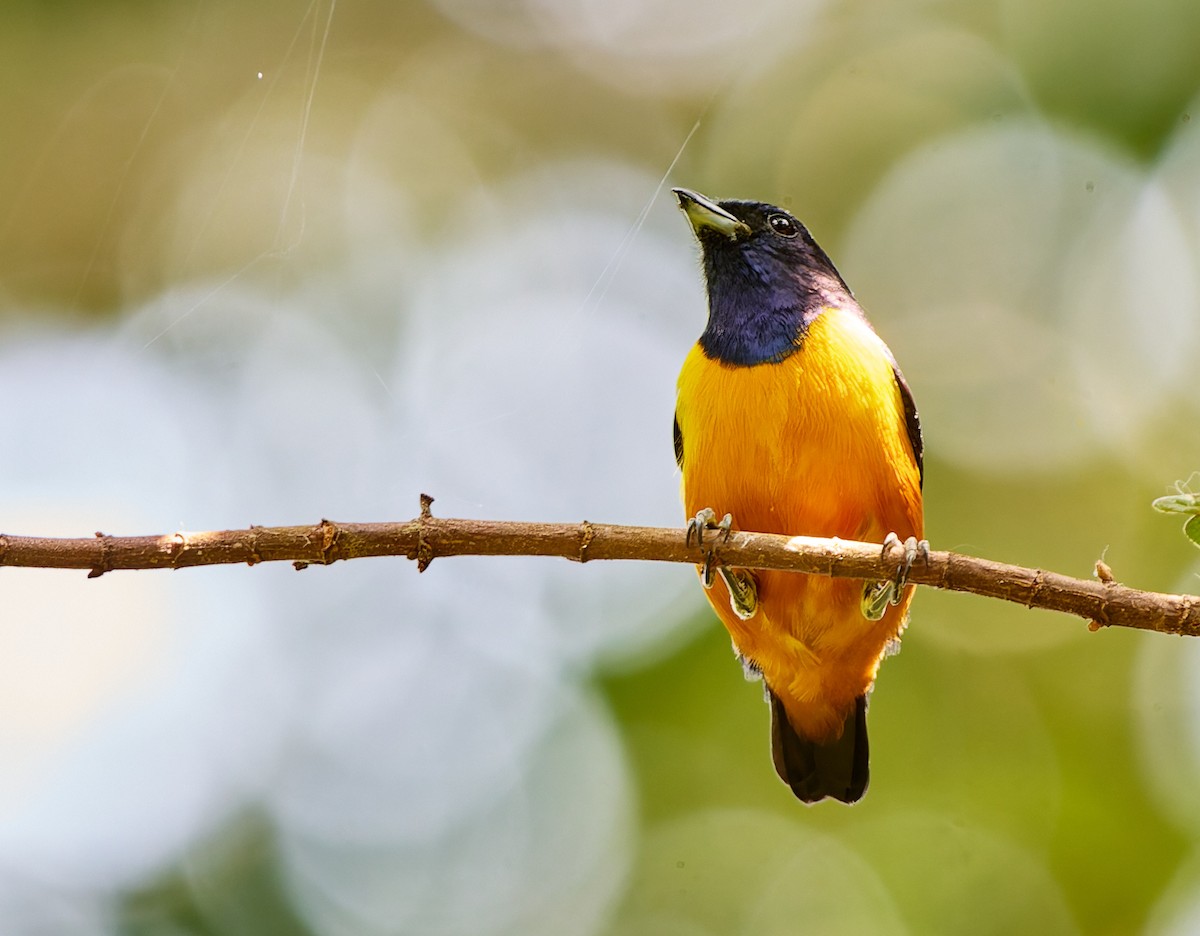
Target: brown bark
1101,601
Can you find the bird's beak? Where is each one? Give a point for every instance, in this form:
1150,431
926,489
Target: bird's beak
706,215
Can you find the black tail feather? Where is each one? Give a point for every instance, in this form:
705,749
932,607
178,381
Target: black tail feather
815,771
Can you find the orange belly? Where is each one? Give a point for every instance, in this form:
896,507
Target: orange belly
814,445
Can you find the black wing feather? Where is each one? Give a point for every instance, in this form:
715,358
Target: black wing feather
911,420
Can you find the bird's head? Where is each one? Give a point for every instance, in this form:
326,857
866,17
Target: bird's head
767,278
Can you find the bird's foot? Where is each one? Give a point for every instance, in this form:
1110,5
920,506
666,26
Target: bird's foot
743,590
706,520
913,547
878,596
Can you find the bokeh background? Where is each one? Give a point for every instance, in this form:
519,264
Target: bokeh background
264,263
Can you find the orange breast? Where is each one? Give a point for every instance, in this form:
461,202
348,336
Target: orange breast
815,445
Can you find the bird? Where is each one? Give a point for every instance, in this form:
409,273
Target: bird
792,416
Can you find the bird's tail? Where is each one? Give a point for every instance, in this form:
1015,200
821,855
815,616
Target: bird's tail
815,771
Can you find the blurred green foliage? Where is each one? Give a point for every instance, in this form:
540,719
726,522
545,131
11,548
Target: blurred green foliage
1184,502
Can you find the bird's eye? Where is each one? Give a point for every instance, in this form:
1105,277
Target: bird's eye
782,225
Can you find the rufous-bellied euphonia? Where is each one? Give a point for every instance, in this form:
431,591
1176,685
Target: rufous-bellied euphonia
792,417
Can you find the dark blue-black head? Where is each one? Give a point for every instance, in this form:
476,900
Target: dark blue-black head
767,279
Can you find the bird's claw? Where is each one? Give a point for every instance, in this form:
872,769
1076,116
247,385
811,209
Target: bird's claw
743,590
878,596
913,547
706,519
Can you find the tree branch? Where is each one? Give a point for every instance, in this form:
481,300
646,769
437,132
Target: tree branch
1102,601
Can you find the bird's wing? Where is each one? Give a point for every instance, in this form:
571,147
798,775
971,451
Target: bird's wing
911,421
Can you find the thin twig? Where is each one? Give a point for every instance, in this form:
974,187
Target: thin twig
1102,601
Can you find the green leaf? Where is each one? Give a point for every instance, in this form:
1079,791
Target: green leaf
1191,530
1186,503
